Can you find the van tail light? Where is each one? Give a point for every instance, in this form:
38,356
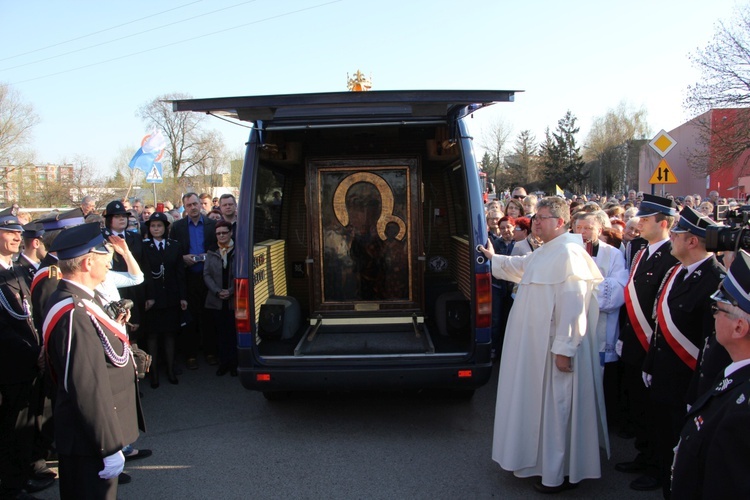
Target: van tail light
483,287
242,305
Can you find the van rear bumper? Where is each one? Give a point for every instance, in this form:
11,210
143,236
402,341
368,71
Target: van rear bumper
310,377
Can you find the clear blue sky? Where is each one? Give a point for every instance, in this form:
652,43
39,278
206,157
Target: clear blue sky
581,55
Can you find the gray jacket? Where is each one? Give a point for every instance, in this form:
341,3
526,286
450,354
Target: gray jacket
212,272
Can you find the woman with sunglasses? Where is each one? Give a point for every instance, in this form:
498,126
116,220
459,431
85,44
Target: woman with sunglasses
218,273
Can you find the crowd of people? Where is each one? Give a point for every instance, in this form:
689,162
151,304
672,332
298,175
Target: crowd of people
607,314
613,313
80,291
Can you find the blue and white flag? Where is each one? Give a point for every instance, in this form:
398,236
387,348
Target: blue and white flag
151,151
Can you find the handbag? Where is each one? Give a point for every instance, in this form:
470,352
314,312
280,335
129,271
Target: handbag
142,360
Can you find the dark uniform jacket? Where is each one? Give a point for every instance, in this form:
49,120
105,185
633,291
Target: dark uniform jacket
42,286
97,409
689,304
712,360
646,278
27,266
713,457
164,274
19,342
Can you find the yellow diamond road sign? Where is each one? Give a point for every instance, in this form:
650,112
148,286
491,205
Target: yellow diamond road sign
662,143
663,174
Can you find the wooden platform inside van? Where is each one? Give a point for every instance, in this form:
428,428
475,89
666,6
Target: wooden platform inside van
403,337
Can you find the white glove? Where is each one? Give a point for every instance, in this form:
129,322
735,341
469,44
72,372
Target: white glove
113,466
646,378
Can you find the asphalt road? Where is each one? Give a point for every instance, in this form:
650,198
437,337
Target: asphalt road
213,439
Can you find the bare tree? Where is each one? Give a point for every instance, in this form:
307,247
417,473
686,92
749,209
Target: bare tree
493,141
610,146
189,147
17,119
724,83
85,179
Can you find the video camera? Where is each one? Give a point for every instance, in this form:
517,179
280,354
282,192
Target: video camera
734,235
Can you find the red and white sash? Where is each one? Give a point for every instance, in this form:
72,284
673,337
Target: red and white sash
638,320
680,344
113,326
53,316
40,275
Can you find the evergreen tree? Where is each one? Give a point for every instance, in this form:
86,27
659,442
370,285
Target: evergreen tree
563,163
522,164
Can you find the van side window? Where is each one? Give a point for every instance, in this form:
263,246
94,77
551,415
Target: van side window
269,203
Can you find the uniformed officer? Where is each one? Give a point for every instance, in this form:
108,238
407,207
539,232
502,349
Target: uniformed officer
33,249
41,288
116,218
684,319
713,456
97,409
647,271
20,365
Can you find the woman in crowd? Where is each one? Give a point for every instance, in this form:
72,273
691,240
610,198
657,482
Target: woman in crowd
215,214
525,242
166,295
706,208
629,214
493,219
514,208
218,273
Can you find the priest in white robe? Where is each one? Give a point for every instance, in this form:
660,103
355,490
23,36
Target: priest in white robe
549,418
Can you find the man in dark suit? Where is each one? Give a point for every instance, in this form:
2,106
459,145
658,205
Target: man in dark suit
647,271
684,319
97,410
20,366
116,219
713,456
195,233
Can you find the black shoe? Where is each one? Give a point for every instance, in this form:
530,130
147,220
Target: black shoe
33,485
625,434
645,483
154,383
631,467
44,473
222,371
137,454
124,478
191,364
172,379
566,485
25,496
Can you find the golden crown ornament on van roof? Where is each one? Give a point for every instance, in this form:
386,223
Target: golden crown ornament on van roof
360,83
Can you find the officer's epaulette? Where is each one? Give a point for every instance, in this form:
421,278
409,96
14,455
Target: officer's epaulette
54,272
